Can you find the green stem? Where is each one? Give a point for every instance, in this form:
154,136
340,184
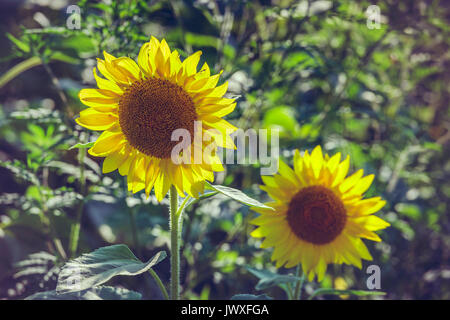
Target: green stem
18,69
134,231
159,283
299,285
75,231
289,291
175,232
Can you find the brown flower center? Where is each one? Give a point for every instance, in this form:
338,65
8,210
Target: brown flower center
316,215
150,110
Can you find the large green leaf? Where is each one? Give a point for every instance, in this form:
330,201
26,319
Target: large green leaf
331,291
95,268
269,279
98,293
237,195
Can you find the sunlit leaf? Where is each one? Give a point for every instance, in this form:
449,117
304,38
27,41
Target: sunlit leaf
20,44
82,145
237,195
269,279
95,268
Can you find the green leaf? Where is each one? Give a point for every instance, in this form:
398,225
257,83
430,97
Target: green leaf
269,279
19,170
19,44
200,40
82,145
95,268
237,195
64,58
323,291
205,195
251,297
99,293
282,118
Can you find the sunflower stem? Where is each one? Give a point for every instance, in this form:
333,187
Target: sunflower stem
299,285
289,291
175,232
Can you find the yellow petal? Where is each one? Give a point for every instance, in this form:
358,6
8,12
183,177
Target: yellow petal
111,68
128,68
161,63
351,181
333,163
222,140
287,172
114,160
216,110
125,166
316,161
366,206
151,175
107,143
190,63
362,185
341,172
164,47
219,91
107,84
175,65
358,230
143,60
99,99
372,223
218,123
95,120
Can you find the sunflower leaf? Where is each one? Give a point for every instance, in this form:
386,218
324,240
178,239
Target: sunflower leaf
95,268
203,196
331,291
82,145
98,293
237,195
269,279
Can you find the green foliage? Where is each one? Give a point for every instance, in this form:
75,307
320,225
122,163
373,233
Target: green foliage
82,145
98,267
237,195
269,279
311,69
97,293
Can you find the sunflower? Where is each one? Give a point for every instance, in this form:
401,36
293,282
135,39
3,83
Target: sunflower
139,105
319,215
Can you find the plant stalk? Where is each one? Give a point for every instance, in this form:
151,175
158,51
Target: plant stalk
159,283
75,231
299,284
175,232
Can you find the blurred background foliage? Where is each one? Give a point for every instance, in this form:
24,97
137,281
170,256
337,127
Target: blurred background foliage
312,69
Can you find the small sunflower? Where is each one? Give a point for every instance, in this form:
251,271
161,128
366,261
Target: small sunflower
319,214
139,105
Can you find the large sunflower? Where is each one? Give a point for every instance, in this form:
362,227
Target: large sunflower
319,214
139,105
